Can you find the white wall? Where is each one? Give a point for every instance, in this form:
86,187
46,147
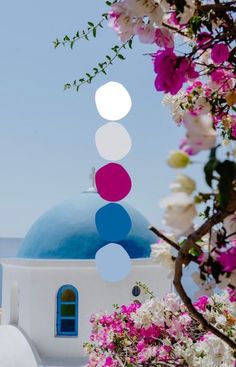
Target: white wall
38,283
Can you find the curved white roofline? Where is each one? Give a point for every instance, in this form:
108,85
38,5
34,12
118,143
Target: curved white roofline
61,263
15,349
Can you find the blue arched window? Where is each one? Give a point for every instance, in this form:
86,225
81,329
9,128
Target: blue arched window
67,311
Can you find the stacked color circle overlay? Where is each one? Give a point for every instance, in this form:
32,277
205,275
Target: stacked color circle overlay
113,182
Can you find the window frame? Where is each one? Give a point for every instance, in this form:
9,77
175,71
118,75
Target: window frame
59,316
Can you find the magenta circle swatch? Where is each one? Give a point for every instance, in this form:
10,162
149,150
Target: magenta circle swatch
113,182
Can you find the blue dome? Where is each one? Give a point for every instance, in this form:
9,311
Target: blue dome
68,231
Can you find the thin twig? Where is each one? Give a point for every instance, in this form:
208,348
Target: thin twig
166,239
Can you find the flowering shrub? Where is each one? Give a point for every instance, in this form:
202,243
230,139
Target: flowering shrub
194,65
201,31
161,332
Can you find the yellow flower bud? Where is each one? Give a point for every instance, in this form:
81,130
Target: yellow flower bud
178,159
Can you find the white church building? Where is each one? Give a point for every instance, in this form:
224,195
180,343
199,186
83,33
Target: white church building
52,287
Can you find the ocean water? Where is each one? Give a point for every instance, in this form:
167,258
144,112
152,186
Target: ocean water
8,248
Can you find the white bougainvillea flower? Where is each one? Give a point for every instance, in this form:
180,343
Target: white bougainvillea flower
161,253
202,106
179,212
156,16
146,34
200,133
141,8
183,183
164,38
173,103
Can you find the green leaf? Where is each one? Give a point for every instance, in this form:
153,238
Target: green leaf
94,32
227,172
130,43
209,169
91,24
108,3
66,38
195,23
181,243
56,43
194,252
115,48
85,35
72,44
105,15
121,57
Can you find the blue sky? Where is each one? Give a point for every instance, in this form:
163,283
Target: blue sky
47,134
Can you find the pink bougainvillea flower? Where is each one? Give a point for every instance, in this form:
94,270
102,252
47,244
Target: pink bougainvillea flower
219,53
232,294
172,71
173,20
228,259
202,258
223,79
164,61
201,303
233,132
108,361
164,38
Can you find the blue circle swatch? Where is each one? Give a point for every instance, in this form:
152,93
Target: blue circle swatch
113,263
113,222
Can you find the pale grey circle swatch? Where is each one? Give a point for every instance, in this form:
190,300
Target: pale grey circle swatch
113,141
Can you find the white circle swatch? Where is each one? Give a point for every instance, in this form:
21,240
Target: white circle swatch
113,141
113,101
112,262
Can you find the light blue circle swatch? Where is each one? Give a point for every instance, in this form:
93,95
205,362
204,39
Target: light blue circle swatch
113,263
113,222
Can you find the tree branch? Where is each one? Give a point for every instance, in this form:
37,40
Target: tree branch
166,239
182,258
174,244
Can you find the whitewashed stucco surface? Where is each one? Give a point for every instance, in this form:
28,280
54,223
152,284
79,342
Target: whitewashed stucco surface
14,348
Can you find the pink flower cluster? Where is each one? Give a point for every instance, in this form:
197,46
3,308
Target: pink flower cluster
172,71
159,331
227,258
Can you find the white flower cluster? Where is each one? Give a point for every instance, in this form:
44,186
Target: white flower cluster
179,212
208,350
129,17
161,253
173,102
